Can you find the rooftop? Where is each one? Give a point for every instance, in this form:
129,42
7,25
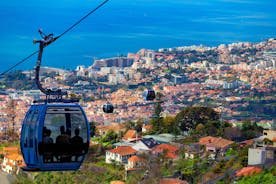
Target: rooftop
123,150
215,142
248,171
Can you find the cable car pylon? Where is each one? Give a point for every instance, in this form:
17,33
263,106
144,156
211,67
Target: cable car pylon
55,134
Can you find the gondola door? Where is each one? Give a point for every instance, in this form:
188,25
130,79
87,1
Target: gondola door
29,138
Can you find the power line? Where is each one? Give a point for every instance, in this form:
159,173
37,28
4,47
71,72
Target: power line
66,31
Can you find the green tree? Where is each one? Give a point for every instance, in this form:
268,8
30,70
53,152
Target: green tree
129,125
250,130
111,137
157,106
169,125
188,168
156,125
188,118
157,120
200,129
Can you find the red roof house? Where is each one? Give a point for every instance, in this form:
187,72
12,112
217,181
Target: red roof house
213,143
131,135
248,171
120,154
170,150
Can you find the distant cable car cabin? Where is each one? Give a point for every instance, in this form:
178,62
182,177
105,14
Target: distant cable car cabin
108,108
149,94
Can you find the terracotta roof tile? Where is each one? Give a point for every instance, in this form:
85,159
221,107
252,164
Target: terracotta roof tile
248,171
215,142
123,150
130,135
15,157
135,159
171,150
7,150
169,147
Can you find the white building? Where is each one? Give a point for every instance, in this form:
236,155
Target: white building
11,161
256,156
120,154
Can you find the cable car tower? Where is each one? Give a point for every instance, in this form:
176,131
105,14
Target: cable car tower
46,40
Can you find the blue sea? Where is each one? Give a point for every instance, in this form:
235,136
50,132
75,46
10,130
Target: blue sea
123,26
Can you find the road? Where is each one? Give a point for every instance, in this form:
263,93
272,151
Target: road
6,178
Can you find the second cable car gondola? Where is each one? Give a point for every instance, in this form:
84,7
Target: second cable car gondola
108,108
149,94
55,132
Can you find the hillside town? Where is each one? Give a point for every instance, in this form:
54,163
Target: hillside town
230,78
235,81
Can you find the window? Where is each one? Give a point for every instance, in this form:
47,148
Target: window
53,123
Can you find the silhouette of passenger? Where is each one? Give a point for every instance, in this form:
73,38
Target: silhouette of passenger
47,137
77,139
47,148
63,137
63,140
77,144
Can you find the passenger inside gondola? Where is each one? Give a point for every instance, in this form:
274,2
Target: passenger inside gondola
48,144
47,136
63,141
77,139
63,138
77,145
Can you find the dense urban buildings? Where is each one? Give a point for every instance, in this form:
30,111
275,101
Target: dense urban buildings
234,79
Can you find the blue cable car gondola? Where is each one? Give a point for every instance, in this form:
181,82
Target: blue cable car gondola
48,137
149,94
55,132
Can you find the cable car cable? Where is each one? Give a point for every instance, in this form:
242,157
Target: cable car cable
84,17
22,61
66,31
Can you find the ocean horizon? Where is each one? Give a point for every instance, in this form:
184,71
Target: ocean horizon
125,26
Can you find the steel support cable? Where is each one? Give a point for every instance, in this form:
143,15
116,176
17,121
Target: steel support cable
66,31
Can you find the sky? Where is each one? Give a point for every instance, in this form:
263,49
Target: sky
123,26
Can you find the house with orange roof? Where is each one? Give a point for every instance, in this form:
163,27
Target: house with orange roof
10,150
248,171
135,162
120,154
131,135
246,143
168,149
214,144
11,162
